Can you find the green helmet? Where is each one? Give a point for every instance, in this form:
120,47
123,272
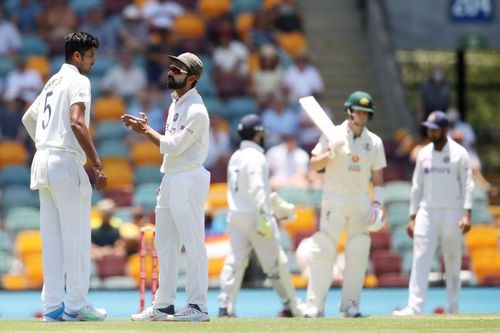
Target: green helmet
360,100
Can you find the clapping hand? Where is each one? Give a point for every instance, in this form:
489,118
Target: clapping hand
138,125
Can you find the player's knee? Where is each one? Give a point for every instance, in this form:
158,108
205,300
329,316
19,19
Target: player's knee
322,245
358,246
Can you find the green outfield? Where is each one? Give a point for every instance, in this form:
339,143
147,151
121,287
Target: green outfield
435,323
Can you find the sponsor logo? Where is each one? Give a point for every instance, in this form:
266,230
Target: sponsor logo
436,169
446,159
354,168
364,101
367,146
355,158
176,116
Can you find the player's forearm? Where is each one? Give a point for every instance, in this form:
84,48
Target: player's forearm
82,135
153,136
30,125
319,162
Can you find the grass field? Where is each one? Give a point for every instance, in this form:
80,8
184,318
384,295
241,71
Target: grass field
433,323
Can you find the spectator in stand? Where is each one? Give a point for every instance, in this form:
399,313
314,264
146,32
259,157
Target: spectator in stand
11,113
95,24
288,164
132,33
125,78
106,239
280,120
475,164
161,13
10,38
156,63
302,78
435,94
287,16
266,80
469,136
56,19
262,32
219,149
145,103
130,232
398,150
230,58
24,15
22,82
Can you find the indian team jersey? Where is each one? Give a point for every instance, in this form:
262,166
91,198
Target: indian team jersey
442,179
351,173
248,180
51,110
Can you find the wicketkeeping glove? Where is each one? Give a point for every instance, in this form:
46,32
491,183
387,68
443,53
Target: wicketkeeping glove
377,217
264,226
283,210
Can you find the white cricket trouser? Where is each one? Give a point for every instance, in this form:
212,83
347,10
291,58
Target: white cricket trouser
243,238
339,212
180,220
65,230
433,226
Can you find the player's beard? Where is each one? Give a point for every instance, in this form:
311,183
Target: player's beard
174,84
441,140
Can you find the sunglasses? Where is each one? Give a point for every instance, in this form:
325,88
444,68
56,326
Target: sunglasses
176,70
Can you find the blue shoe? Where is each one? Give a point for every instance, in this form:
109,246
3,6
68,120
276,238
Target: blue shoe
88,313
55,315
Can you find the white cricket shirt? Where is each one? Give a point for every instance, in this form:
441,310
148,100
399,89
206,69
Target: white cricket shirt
51,110
442,179
248,180
185,143
351,174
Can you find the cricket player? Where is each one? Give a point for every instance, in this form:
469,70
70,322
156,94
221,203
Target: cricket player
182,194
251,222
58,122
346,205
440,212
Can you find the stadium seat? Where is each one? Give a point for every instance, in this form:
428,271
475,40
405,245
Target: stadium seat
400,241
102,65
33,44
111,265
109,130
481,237
133,267
393,280
109,108
5,260
145,196
304,223
397,214
119,176
147,174
296,195
212,9
28,242
189,25
244,23
18,196
5,243
115,6
216,106
485,262
15,175
6,65
40,64
241,106
397,191
22,218
146,153
380,240
12,153
34,270
270,4
55,64
385,262
113,149
206,87
243,6
121,196
294,43
15,282
217,196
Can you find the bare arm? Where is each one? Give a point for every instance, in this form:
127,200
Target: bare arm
141,126
81,131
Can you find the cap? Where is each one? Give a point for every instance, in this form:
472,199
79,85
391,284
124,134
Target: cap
105,205
249,125
436,120
192,62
360,100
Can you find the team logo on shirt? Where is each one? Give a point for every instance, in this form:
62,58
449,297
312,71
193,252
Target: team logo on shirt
367,146
176,116
355,158
446,159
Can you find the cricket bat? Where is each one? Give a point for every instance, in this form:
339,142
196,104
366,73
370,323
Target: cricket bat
322,121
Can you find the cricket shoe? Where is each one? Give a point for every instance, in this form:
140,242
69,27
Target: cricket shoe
153,314
223,313
191,313
313,312
405,312
87,313
54,315
351,312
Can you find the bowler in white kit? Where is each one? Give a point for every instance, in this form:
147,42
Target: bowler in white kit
58,122
346,204
440,212
180,216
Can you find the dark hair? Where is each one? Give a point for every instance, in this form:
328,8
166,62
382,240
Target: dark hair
78,42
